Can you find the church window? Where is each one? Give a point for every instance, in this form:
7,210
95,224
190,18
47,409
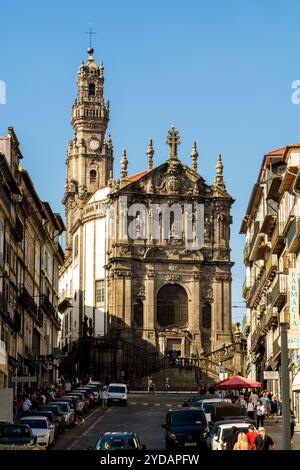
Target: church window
91,89
93,176
100,292
172,306
206,316
138,314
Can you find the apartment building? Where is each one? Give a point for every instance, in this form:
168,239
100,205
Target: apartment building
30,256
272,261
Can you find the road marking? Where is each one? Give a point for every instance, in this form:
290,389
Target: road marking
145,404
156,404
169,405
88,429
132,403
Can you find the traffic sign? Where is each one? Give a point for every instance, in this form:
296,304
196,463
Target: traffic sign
24,379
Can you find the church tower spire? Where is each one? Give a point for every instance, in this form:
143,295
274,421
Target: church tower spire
90,156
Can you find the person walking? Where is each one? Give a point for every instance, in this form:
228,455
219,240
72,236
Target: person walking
293,422
79,411
26,406
263,441
251,435
242,442
260,414
250,409
167,385
230,440
242,404
151,386
104,398
274,408
266,403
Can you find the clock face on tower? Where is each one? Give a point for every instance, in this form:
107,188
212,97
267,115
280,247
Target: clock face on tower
94,144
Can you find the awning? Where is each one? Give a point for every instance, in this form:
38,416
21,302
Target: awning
237,382
296,383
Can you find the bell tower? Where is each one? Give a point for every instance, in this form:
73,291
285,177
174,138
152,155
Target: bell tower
90,155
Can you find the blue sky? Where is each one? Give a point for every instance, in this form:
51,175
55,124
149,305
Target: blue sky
220,71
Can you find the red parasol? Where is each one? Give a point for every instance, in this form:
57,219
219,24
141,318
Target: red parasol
236,382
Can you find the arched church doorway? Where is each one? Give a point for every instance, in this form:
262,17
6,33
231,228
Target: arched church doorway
172,306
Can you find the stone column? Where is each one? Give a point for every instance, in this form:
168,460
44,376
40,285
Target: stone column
128,299
194,311
149,308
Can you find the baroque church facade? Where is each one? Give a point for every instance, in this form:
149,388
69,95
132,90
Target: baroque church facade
127,266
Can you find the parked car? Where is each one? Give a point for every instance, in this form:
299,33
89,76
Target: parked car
50,416
117,393
57,413
113,441
186,427
16,435
207,405
231,421
216,440
67,411
41,428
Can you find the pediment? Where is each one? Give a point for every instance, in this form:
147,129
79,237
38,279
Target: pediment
170,179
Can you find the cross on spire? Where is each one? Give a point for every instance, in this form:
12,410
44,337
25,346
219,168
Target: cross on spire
90,32
173,140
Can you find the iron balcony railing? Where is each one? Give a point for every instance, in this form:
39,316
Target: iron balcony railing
27,300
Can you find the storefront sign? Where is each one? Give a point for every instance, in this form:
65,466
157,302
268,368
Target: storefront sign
3,354
24,379
294,331
270,375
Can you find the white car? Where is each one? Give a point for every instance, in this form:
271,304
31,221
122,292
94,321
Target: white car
207,405
117,393
223,430
41,428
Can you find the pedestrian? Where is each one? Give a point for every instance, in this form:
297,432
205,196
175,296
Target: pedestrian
260,414
242,404
242,442
266,403
254,398
26,406
67,386
274,408
293,420
79,410
251,435
230,440
263,441
250,409
104,398
150,385
167,385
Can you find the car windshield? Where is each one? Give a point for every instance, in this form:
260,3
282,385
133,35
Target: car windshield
36,423
227,431
116,389
116,443
54,409
187,417
208,407
64,407
15,431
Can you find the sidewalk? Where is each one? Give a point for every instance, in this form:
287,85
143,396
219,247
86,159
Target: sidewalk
275,431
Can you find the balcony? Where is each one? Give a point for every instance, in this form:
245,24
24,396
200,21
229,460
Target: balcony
276,347
269,221
271,266
271,316
26,300
279,292
256,290
65,301
5,199
273,186
277,241
246,252
257,237
293,236
259,333
49,309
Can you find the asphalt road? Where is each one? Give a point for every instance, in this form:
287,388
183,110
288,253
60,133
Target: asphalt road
144,415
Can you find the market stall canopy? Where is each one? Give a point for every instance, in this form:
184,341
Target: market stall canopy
296,383
236,382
